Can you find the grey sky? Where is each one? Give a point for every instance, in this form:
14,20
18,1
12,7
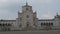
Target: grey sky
45,9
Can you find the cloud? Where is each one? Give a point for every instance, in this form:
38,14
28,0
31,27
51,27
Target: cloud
45,15
7,14
40,1
45,8
3,1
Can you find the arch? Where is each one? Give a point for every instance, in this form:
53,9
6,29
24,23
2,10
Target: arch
27,24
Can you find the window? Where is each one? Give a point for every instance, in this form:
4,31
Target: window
20,25
20,18
51,23
27,16
27,8
9,24
27,24
46,24
34,18
0,24
41,23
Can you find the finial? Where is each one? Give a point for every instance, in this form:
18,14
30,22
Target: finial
18,11
26,3
57,13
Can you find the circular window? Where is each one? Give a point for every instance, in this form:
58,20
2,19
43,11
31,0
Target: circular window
27,8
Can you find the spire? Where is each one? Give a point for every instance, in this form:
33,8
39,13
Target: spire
26,3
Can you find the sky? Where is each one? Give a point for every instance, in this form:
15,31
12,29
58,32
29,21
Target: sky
46,9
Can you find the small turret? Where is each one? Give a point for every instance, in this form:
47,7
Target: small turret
57,14
57,17
26,4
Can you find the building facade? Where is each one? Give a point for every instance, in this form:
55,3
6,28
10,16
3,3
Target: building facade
27,20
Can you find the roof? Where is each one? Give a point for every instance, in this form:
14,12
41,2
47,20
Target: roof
57,16
8,20
46,20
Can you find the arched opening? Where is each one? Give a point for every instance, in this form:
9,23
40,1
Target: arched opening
27,24
27,16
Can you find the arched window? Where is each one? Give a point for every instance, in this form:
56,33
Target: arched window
20,18
27,16
51,23
20,25
41,23
27,24
47,24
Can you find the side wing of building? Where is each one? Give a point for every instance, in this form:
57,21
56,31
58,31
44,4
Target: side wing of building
7,24
49,23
